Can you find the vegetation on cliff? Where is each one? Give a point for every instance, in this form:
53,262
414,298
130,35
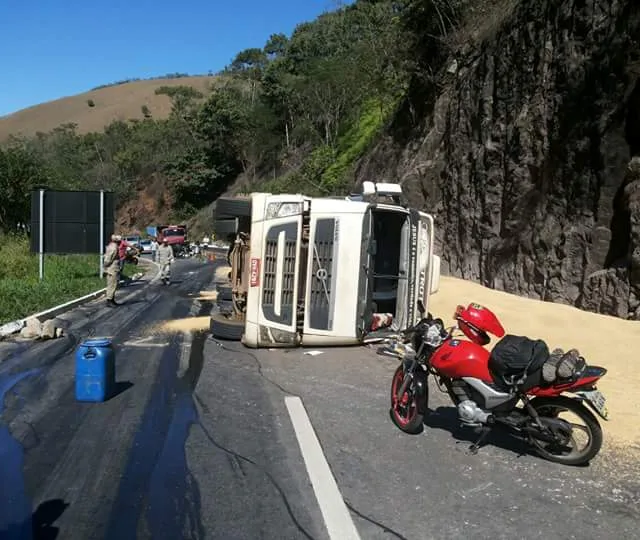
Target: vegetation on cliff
514,123
296,114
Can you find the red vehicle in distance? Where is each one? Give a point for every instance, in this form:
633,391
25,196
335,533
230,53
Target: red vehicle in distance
175,235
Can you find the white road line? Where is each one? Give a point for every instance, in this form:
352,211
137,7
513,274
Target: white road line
336,515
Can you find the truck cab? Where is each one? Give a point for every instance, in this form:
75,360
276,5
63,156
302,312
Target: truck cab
326,271
175,236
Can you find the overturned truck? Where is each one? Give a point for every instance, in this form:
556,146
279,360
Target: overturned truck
323,271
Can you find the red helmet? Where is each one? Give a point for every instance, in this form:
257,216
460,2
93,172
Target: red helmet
477,322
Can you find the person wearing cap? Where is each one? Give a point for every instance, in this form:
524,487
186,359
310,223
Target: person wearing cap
165,258
112,269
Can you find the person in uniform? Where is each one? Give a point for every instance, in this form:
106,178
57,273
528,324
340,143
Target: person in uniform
112,269
165,258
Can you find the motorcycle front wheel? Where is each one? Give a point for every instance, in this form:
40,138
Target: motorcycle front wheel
566,450
404,411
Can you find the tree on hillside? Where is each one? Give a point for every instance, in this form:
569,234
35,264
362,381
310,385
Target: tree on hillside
250,64
279,94
183,99
276,46
293,105
19,172
327,95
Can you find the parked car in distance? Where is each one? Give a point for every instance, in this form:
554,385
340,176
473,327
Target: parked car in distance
133,240
145,246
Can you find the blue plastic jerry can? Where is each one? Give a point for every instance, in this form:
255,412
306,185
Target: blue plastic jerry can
95,370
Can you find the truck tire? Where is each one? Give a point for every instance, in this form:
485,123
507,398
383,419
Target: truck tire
223,328
225,227
230,208
225,293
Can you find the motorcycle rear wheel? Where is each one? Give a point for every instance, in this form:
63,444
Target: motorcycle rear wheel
405,413
551,407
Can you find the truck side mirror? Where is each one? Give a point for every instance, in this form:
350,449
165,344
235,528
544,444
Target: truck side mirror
421,309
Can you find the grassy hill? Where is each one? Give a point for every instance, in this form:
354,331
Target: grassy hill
116,102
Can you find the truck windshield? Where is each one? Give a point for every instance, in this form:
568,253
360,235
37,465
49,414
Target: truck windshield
173,232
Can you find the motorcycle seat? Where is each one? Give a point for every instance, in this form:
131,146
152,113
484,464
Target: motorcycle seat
518,360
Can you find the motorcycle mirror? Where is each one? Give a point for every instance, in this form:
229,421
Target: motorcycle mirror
421,308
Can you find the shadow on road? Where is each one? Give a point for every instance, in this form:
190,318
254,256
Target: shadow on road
40,526
446,418
119,388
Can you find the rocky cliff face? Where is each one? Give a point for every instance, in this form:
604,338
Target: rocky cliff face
524,155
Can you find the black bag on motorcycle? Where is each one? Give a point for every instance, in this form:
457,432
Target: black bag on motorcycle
512,355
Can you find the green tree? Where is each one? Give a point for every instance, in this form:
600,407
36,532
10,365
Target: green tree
250,64
276,46
19,172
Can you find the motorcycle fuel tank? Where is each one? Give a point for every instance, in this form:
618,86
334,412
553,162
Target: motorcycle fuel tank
456,359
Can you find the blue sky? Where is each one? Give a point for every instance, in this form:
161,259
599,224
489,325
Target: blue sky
55,48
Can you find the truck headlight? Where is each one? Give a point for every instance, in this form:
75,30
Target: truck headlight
276,210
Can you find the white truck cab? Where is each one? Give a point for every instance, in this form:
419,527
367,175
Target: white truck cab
319,271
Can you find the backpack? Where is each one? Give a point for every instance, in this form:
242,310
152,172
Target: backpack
515,357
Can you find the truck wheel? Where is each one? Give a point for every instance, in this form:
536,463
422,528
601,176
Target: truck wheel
230,208
224,328
225,293
225,227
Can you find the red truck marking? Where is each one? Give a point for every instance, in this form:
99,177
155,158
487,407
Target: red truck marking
255,272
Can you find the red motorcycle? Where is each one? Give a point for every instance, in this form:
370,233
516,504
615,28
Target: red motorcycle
519,386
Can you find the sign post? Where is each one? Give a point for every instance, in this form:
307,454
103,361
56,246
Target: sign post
41,237
101,233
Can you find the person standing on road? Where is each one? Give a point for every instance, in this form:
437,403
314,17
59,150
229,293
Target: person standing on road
112,269
165,259
154,249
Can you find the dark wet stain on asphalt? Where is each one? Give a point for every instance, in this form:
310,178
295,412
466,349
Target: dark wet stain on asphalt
174,495
15,505
171,511
157,480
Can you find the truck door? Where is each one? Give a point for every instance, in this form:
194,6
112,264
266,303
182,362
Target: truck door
335,274
424,263
275,270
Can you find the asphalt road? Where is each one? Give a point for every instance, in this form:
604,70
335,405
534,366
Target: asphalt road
199,443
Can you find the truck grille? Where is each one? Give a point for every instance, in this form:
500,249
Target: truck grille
320,287
322,262
287,278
